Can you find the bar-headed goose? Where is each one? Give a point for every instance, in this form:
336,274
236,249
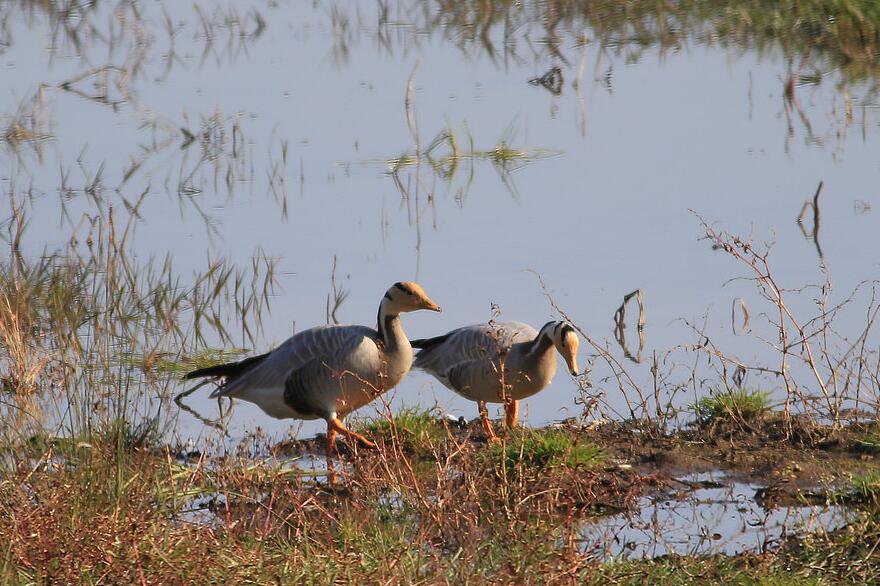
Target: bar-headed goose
469,361
328,371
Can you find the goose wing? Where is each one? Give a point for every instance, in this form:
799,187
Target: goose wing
306,360
470,354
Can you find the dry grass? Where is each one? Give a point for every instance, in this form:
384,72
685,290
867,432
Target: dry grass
92,510
25,361
77,511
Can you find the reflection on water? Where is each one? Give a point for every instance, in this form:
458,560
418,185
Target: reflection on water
717,516
241,135
811,206
620,326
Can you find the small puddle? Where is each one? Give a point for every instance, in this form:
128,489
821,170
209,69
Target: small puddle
206,507
720,516
202,509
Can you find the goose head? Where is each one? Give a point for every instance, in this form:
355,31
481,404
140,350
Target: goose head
566,341
407,296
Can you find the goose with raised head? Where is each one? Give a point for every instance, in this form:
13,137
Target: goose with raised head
498,363
329,371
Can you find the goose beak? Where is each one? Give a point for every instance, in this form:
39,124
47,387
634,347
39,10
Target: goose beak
571,361
429,304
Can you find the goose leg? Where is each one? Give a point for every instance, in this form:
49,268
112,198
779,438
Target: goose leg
511,412
335,426
331,443
487,425
331,453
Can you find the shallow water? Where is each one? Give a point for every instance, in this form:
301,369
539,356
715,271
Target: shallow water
721,518
298,109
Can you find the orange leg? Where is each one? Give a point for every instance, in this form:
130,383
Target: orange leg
331,443
511,411
335,426
331,452
487,425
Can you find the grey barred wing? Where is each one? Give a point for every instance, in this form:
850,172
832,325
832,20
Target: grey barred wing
325,344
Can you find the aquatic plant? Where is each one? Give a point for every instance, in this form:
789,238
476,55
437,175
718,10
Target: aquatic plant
89,332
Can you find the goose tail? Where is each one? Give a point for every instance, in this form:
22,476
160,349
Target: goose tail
425,343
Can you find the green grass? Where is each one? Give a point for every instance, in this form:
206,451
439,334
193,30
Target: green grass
415,430
686,571
866,488
547,448
870,442
119,433
735,406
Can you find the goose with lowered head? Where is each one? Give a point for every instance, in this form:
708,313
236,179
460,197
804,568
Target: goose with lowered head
498,363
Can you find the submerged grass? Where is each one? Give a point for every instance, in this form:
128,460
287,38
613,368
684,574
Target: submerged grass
844,34
444,154
87,334
180,365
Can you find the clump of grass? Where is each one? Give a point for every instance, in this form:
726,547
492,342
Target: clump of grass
547,449
416,430
869,443
737,406
866,488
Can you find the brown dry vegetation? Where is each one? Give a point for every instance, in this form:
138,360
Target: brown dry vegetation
93,511
77,512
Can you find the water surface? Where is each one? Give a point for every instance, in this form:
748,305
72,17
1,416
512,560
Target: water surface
295,117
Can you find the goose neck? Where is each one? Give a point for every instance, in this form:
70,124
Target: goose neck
542,344
390,329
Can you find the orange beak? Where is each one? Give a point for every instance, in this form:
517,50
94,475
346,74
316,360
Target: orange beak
571,361
428,303
569,353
